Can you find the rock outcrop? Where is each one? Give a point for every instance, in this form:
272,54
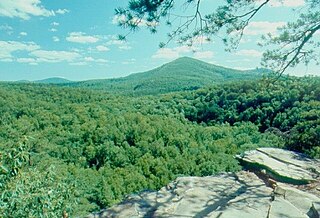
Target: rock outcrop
282,165
279,184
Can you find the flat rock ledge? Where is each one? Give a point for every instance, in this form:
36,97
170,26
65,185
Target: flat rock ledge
280,184
282,165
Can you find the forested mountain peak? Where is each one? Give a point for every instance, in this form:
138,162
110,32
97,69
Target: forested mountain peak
186,60
53,80
187,66
184,73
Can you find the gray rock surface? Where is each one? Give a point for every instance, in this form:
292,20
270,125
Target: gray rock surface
293,158
282,165
228,195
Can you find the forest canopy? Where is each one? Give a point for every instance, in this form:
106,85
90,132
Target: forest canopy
79,150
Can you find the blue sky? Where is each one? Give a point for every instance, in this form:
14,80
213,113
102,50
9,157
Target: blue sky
77,40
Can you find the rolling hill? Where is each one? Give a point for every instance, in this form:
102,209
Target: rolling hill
53,80
181,74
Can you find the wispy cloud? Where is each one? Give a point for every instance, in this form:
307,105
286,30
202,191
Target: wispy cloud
286,3
23,34
249,53
24,9
55,39
97,60
262,27
203,55
54,56
197,40
53,30
130,61
121,44
34,55
80,37
62,11
121,19
125,47
55,24
166,53
6,28
173,53
9,47
81,63
26,60
89,60
102,48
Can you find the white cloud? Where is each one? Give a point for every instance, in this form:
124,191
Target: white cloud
249,53
6,28
88,59
53,30
78,63
55,56
102,48
139,22
200,40
184,49
100,60
23,9
35,55
130,61
203,55
23,34
55,39
172,53
8,47
80,37
62,11
166,53
121,44
91,59
6,60
262,27
26,60
55,24
286,3
114,41
125,47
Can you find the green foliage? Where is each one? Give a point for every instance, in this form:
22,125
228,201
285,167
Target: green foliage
28,191
289,108
88,149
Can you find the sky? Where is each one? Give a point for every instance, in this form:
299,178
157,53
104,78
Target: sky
77,40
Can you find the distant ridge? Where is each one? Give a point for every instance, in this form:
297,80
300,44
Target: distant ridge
181,74
53,80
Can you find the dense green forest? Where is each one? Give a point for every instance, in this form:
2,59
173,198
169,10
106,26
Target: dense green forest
79,150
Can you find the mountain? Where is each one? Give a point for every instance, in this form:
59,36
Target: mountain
181,74
53,80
